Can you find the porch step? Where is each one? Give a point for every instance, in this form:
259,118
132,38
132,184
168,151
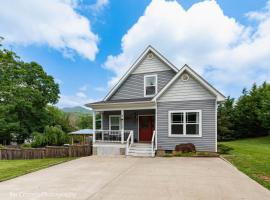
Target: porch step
141,150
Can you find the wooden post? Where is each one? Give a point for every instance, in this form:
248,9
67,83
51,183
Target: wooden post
72,140
94,126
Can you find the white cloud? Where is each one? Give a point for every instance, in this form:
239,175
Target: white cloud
84,88
79,99
99,5
229,54
100,89
52,22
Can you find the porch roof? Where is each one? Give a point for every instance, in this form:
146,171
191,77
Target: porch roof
126,104
120,101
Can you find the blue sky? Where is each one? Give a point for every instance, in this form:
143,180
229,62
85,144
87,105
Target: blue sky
87,45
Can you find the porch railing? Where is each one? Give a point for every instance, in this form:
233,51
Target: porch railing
113,136
154,143
130,141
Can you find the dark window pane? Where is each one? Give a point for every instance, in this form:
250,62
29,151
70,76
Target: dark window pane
177,129
192,117
192,129
115,127
150,90
115,120
177,117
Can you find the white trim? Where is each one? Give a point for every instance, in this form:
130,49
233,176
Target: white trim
135,64
219,96
139,123
119,121
144,86
96,104
184,123
101,120
94,125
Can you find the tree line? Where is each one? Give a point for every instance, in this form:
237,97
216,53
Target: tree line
27,94
247,116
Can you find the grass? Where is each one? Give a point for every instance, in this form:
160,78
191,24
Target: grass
251,156
12,168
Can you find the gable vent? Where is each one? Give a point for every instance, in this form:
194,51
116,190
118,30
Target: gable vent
150,55
185,77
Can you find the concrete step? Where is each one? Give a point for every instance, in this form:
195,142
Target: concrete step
141,152
137,154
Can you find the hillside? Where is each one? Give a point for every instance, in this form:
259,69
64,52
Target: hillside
76,109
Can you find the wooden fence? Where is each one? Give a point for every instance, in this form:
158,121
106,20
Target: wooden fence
47,152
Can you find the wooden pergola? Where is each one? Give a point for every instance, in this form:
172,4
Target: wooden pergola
84,133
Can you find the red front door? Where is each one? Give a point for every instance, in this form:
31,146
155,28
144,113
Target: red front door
146,128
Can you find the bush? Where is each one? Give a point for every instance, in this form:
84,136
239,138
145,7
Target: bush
185,148
223,149
38,140
2,146
53,135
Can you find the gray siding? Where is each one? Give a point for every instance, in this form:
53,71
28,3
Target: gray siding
153,64
133,86
131,119
186,90
205,143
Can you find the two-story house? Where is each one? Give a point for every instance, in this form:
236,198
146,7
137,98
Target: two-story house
156,106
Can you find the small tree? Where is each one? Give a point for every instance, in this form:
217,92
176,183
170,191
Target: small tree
225,121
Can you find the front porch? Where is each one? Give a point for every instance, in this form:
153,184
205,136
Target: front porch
125,132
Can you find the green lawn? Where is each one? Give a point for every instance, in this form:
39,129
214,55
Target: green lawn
251,156
13,168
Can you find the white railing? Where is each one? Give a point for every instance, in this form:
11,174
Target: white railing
113,136
154,143
130,141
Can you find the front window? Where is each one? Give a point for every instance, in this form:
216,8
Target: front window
150,85
185,123
115,122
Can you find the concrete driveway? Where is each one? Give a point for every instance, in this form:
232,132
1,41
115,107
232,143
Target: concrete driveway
135,178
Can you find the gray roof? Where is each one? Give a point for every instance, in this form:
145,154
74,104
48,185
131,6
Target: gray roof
82,132
122,101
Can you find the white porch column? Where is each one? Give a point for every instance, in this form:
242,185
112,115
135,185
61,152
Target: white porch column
94,126
122,125
101,120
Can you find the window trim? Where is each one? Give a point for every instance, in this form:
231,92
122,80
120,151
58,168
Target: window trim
119,116
144,85
184,123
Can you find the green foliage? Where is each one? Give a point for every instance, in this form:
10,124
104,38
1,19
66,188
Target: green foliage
223,149
58,117
25,90
86,121
225,120
249,116
52,136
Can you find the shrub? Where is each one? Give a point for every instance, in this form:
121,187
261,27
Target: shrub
223,149
2,146
185,148
38,140
53,135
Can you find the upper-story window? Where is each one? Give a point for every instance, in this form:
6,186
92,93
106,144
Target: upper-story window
150,85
